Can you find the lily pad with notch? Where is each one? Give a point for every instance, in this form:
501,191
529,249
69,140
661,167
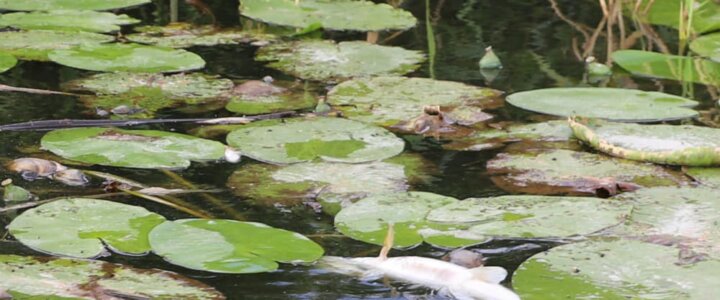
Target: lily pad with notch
228,246
185,35
67,20
48,5
550,131
127,58
37,44
666,66
7,61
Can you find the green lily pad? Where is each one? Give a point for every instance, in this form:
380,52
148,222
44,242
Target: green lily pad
185,35
258,97
662,144
140,103
707,46
333,15
607,103
705,176
7,61
614,269
665,66
67,20
367,220
47,5
149,149
303,140
479,220
330,61
705,15
228,246
37,44
80,227
62,278
387,101
550,131
552,172
127,58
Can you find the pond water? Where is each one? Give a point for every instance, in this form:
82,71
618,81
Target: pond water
533,43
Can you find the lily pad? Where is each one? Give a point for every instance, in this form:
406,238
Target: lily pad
705,15
387,101
185,35
665,66
228,246
550,131
81,227
37,44
705,176
552,172
479,220
662,144
67,20
48,5
131,148
62,278
614,269
607,103
330,61
7,61
707,46
303,140
367,220
258,97
333,15
127,58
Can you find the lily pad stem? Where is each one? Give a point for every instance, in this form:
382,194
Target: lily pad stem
213,200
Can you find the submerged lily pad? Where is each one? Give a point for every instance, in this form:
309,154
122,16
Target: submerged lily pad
705,176
81,227
387,101
37,44
367,220
258,97
663,144
67,20
550,131
228,246
47,5
303,140
333,15
707,46
607,103
479,220
127,58
614,269
665,66
131,148
185,35
329,61
552,172
7,61
62,278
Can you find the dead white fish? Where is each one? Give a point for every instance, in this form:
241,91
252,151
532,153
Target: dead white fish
481,283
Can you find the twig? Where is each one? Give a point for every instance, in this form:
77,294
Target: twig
215,201
7,88
189,211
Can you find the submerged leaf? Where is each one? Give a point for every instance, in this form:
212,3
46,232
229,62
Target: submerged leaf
258,97
127,58
550,131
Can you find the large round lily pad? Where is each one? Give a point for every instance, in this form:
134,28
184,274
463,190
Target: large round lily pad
367,220
36,44
615,269
607,103
663,144
550,131
329,61
302,140
47,5
127,58
228,246
387,101
67,20
80,227
479,220
7,61
131,148
707,46
552,172
62,278
666,66
333,15
185,35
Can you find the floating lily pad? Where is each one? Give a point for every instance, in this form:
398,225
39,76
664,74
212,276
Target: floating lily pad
185,35
36,44
80,227
663,144
367,220
7,61
614,269
228,246
333,15
705,176
479,220
258,97
552,172
607,103
47,5
387,101
705,15
550,131
62,278
328,61
302,140
131,148
707,46
665,66
67,20
127,58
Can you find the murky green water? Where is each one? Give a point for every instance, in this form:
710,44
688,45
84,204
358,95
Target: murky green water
533,43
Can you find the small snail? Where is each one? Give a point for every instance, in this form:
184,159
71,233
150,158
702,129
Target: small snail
33,168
